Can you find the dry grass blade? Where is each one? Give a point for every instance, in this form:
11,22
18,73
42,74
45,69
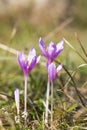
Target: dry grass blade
85,84
6,48
73,73
74,50
5,94
69,79
79,41
74,84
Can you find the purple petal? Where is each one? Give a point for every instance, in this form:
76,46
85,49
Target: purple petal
51,50
59,68
31,55
52,71
51,44
42,47
59,47
23,63
38,59
21,60
28,64
32,64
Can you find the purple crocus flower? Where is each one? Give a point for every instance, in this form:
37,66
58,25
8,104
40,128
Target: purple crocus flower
53,71
28,63
51,51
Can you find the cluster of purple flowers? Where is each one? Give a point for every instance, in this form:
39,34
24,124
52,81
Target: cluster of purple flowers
27,63
51,52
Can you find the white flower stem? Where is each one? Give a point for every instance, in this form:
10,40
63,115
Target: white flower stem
47,101
18,113
17,101
51,103
25,100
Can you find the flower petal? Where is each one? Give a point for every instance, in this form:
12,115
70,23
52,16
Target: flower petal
52,71
42,47
51,50
32,64
23,63
38,59
28,64
21,60
59,47
31,55
59,68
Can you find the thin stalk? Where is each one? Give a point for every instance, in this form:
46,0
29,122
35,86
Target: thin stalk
75,50
18,112
47,101
17,101
79,41
74,85
25,100
51,103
